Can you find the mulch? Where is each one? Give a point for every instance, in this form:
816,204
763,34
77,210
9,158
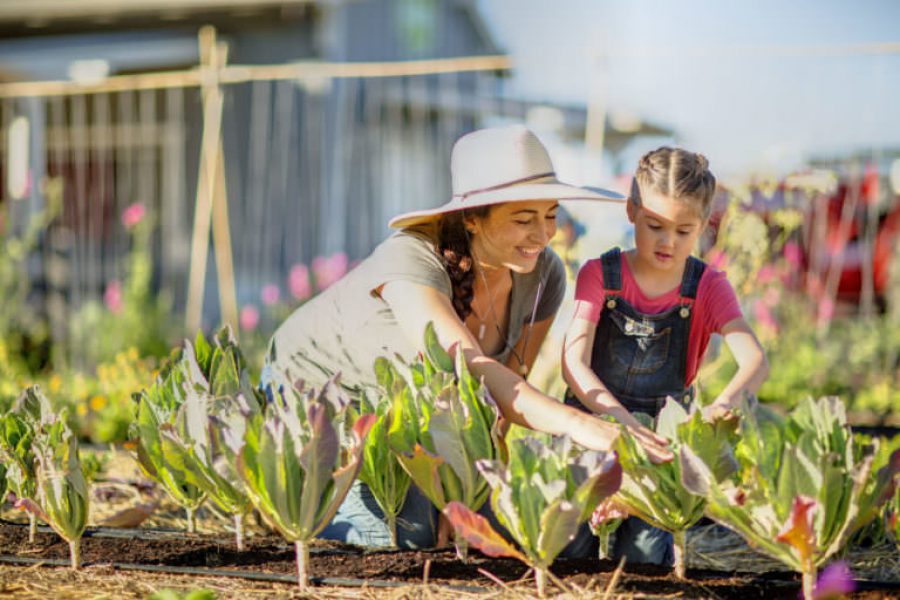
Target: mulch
441,568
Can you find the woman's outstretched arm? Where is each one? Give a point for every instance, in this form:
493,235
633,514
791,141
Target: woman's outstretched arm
414,305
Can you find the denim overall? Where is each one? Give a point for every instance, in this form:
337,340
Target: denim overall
642,359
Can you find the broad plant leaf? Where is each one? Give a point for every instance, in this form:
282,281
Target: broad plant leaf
443,421
541,496
295,469
804,483
666,495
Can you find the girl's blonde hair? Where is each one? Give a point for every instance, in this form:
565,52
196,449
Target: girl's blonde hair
678,174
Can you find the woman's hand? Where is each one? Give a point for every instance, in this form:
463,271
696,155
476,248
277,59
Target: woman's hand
656,446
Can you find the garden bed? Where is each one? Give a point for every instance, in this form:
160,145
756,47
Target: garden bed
204,556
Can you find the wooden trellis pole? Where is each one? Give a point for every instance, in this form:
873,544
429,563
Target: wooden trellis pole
212,198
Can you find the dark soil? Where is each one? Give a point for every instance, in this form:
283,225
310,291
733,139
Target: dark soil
273,555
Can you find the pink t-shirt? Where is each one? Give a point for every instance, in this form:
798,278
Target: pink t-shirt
715,306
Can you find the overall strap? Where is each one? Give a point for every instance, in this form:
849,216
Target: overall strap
690,281
612,270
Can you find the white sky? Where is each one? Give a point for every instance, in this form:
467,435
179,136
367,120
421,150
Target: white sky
697,67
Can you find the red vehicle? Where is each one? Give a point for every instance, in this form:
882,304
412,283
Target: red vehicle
848,237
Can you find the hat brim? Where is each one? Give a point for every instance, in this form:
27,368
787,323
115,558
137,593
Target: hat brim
515,193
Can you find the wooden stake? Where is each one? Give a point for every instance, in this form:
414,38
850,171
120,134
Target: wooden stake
211,176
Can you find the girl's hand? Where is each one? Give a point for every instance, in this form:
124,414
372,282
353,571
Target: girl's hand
722,409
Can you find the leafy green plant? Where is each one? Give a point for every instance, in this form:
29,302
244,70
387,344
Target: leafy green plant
604,521
802,487
206,438
450,423
165,434
654,492
293,464
17,431
131,314
381,471
62,498
542,496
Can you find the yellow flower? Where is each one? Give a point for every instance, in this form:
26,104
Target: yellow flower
132,353
54,384
81,409
98,402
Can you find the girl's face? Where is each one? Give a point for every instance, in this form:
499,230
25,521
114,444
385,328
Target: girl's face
513,234
665,231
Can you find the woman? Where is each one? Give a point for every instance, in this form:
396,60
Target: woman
478,267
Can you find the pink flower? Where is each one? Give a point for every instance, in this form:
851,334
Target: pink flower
716,259
249,318
298,282
112,297
771,297
764,316
765,274
328,270
270,294
133,215
793,254
826,310
835,581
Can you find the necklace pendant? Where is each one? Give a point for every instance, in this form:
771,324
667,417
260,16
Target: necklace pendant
523,370
481,332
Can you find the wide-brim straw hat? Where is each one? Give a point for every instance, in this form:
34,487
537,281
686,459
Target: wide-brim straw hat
502,164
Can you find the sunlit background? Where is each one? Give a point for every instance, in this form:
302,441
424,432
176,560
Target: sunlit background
169,165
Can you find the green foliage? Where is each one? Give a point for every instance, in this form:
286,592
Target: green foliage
541,496
140,319
654,492
177,445
62,498
803,487
205,438
17,431
23,333
293,464
381,471
448,423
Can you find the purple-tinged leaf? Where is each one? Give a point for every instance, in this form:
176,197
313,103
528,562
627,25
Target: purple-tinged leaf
29,505
696,477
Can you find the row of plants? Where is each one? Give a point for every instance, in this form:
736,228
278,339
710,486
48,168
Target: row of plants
795,487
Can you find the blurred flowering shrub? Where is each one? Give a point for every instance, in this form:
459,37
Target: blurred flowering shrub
813,349
275,301
131,314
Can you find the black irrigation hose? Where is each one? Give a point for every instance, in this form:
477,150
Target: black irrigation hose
257,576
170,534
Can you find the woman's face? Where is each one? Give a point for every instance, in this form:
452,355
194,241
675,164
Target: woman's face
513,234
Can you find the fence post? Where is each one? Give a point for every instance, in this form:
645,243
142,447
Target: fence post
212,199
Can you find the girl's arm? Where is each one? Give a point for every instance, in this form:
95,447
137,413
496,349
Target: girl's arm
753,368
414,305
596,397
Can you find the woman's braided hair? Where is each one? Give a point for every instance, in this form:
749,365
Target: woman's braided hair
678,174
454,249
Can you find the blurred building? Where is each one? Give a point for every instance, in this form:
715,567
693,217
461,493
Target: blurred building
313,165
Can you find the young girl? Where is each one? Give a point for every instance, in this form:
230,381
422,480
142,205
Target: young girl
644,318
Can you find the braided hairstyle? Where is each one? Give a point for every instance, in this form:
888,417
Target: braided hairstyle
678,174
455,252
